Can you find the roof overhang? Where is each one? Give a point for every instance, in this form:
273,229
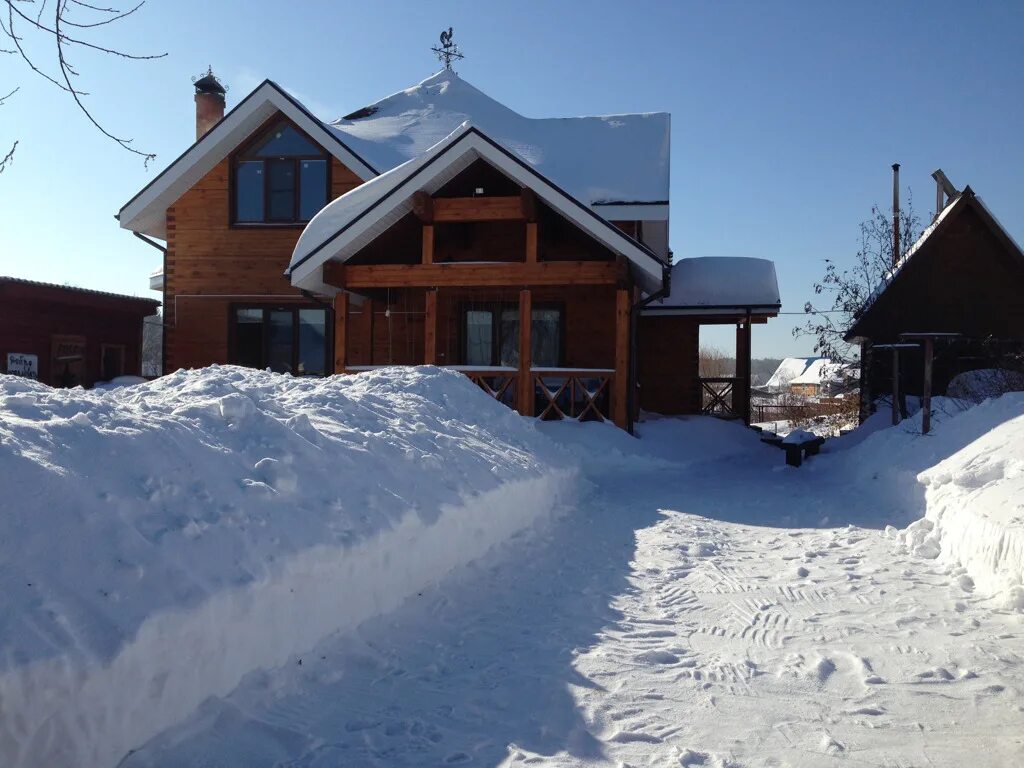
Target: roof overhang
767,310
352,221
146,212
633,211
967,199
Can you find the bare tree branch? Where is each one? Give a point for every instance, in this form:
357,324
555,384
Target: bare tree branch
62,14
847,291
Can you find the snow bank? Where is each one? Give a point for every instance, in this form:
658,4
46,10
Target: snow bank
975,386
975,507
160,541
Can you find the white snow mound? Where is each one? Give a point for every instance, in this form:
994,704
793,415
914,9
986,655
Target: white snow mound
975,509
160,541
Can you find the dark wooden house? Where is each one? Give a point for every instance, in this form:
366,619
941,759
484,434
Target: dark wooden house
436,226
67,336
958,290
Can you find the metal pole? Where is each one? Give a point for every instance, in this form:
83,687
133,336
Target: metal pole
895,213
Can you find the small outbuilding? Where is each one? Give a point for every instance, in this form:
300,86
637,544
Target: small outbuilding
953,303
66,336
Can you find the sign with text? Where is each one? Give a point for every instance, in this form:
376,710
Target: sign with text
20,364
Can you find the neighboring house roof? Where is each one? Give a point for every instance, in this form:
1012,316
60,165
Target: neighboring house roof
353,220
966,199
619,163
789,369
146,211
819,371
616,159
720,285
137,302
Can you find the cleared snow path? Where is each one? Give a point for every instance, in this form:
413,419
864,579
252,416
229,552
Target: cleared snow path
701,606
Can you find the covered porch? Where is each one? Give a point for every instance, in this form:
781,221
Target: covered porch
553,352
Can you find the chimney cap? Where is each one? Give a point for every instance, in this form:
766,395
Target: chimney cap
209,83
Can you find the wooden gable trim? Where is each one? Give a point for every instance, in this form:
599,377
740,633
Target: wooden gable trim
456,274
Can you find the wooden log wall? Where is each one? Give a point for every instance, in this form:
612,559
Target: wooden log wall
211,264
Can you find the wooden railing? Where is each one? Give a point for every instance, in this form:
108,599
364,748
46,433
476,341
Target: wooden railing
581,394
717,396
499,383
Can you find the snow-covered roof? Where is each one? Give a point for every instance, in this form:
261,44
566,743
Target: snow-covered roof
622,159
720,285
350,222
618,163
820,370
790,369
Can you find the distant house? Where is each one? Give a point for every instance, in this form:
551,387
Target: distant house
66,336
437,226
962,281
790,369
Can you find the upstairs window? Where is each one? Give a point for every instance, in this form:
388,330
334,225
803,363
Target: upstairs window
281,178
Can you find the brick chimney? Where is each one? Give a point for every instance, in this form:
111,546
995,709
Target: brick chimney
209,102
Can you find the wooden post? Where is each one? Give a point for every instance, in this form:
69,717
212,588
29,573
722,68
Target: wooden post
340,327
620,385
741,389
531,242
428,243
368,309
895,385
926,394
430,329
525,391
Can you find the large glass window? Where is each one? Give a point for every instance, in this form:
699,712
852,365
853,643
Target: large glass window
282,178
284,339
492,336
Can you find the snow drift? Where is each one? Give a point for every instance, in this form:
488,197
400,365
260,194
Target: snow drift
975,505
967,477
160,541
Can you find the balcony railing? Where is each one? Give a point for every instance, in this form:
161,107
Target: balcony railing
717,396
583,394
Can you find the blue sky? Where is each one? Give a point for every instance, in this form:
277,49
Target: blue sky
786,117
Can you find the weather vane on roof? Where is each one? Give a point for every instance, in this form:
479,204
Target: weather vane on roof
449,50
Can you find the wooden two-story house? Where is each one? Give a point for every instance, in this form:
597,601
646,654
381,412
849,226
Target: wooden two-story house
439,227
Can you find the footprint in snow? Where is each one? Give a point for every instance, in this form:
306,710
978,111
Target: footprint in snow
656,657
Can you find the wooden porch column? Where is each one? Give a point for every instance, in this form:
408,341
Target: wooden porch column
531,242
340,327
428,243
430,329
741,389
895,385
926,394
524,382
620,384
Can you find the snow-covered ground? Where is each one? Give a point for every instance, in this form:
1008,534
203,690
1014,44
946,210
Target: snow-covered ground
702,604
699,603
160,541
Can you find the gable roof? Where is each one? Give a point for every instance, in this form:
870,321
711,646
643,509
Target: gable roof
613,160
966,199
790,369
353,220
633,149
146,211
720,285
